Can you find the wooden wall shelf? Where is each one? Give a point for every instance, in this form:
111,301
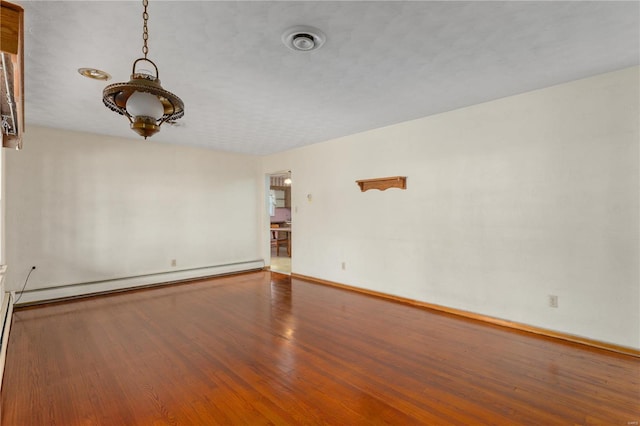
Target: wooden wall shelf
383,183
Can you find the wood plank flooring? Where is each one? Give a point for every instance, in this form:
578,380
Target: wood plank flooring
263,348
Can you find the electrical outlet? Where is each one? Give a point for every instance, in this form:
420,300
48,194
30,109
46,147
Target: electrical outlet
344,266
553,301
173,262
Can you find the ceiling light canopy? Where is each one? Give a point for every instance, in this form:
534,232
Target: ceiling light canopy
303,38
142,99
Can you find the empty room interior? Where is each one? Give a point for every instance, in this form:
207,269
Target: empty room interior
323,212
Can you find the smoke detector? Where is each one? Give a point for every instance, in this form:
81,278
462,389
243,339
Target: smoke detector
303,38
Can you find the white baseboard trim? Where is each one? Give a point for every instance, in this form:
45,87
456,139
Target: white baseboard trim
5,326
84,289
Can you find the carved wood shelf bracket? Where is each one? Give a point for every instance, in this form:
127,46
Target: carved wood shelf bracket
383,183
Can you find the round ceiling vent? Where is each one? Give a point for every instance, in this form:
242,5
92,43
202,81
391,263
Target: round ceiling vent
303,38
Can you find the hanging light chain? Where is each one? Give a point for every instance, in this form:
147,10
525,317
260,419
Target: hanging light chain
145,30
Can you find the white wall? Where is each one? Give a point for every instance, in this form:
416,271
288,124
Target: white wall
86,208
507,202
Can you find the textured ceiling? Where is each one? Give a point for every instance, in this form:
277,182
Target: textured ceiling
382,63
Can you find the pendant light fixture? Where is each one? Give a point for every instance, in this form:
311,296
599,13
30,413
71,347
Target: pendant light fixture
142,99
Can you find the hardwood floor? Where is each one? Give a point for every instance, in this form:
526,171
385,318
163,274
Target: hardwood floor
262,348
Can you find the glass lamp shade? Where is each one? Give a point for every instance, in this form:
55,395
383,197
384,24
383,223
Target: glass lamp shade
143,101
143,104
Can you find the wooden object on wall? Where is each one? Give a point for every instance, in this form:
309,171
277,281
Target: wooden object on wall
12,74
10,34
383,183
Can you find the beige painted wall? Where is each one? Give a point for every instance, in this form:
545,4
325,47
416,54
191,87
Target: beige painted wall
86,208
507,202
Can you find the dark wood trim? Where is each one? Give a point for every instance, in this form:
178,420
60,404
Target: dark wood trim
479,317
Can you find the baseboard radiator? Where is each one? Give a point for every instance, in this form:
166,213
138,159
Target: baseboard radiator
68,291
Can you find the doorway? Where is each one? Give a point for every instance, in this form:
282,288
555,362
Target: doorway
280,223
